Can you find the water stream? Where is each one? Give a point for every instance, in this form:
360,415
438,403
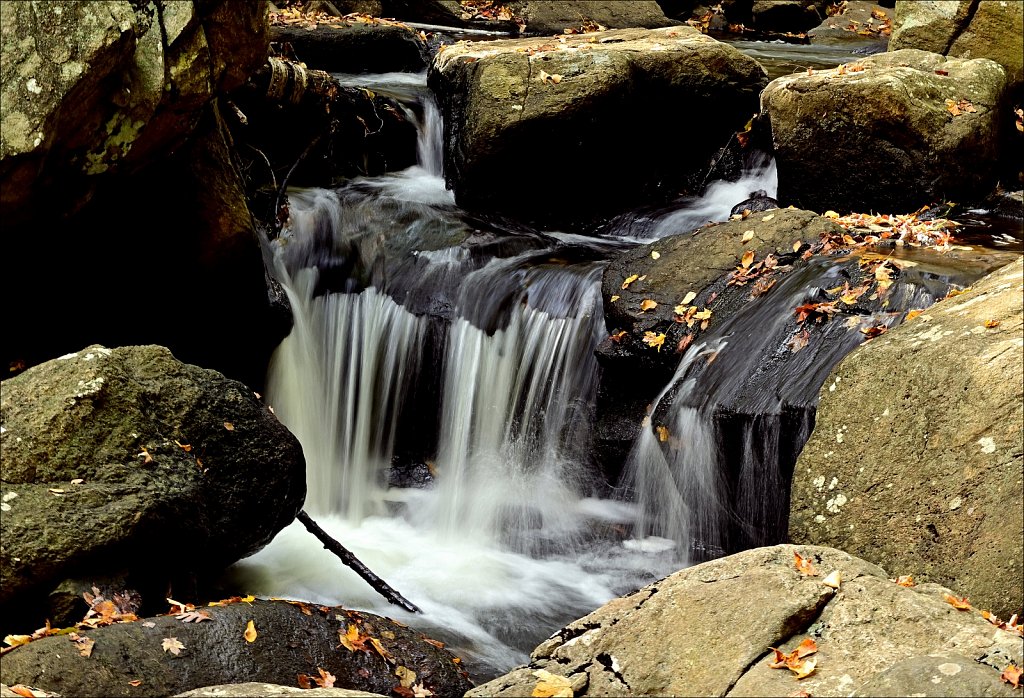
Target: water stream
441,378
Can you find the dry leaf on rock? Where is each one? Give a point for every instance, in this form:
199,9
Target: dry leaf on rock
551,685
172,645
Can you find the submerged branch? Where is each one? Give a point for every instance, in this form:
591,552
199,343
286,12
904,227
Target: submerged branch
382,587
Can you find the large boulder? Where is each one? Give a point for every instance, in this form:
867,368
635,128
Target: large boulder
129,460
137,74
530,17
709,631
963,29
354,46
629,116
918,466
892,132
291,639
860,21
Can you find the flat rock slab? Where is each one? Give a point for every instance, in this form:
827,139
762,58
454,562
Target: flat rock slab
290,639
708,631
916,461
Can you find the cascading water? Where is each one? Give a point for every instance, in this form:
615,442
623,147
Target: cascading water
392,292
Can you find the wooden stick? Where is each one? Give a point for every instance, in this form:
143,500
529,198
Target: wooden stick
382,587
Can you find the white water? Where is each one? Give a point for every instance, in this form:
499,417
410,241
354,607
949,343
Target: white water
509,543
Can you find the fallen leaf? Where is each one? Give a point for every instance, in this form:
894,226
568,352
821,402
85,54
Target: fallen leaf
618,336
17,640
421,691
794,661
194,616
906,580
688,298
149,624
798,341
353,640
22,690
83,644
326,679
551,685
406,676
654,339
629,279
136,682
804,668
184,447
229,426
683,343
250,632
436,643
833,580
988,323
1011,675
655,254
796,246
803,565
768,217
305,681
662,432
958,602
647,304
171,644
146,458
747,259
77,481
381,650
874,330
615,298
748,236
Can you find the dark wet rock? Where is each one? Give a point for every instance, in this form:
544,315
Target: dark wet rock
546,18
288,642
656,641
618,105
354,47
758,201
938,441
113,459
882,138
792,16
859,23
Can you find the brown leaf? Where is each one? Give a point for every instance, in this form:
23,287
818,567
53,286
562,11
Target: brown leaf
136,682
991,323
618,336
803,565
798,341
647,304
747,259
958,602
83,644
683,343
1011,675
194,616
229,426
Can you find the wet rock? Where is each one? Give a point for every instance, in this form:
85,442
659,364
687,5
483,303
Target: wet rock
545,18
937,440
291,639
859,23
884,137
617,105
252,689
758,201
354,47
963,29
793,16
709,630
117,459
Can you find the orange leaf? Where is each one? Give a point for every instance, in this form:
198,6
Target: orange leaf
1011,675
958,602
618,336
27,692
803,565
136,682
250,632
905,580
647,304
991,323
747,259
229,426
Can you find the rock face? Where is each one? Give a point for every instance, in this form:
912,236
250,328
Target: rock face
534,18
861,21
881,135
614,107
119,459
355,47
708,631
918,466
291,639
110,60
963,29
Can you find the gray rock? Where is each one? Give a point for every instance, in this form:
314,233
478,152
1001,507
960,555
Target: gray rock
128,459
617,117
963,29
555,17
882,138
938,674
708,630
859,16
291,639
915,462
270,690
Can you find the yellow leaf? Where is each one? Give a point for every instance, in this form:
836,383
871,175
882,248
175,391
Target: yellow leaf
831,214
748,236
988,323
768,217
615,298
662,433
551,685
381,651
647,304
655,254
748,259
688,297
629,279
229,426
796,246
833,580
16,640
804,668
679,309
654,340
406,676
250,632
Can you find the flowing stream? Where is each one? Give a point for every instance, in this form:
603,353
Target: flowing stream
441,377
